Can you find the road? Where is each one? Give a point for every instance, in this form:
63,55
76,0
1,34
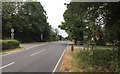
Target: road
40,58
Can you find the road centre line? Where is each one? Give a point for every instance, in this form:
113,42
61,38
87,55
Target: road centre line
33,47
37,52
7,65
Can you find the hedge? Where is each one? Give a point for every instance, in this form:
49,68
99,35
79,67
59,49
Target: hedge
98,60
9,44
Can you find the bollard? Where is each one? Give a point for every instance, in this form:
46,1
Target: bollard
72,48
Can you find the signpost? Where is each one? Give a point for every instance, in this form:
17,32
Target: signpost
41,37
12,33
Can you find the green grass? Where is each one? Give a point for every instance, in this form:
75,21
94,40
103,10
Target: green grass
102,59
11,51
109,47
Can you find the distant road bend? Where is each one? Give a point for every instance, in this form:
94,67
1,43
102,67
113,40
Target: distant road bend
42,58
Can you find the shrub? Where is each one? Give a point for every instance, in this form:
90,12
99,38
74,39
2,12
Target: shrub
9,44
98,60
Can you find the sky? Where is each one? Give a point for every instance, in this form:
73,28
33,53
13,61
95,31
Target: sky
55,10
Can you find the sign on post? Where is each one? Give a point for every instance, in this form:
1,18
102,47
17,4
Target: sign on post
41,37
12,30
12,33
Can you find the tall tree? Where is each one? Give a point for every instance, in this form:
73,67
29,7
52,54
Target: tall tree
27,18
92,19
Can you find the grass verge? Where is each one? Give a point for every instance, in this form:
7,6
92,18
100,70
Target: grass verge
97,60
8,51
66,62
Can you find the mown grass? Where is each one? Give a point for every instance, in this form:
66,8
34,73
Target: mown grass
99,59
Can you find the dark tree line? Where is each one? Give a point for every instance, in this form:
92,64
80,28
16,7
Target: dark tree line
29,20
98,21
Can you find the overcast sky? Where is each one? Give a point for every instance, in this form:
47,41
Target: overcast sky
55,10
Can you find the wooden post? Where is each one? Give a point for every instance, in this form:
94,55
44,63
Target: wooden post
72,48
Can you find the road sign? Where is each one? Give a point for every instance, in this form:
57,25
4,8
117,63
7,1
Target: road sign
12,33
41,37
12,30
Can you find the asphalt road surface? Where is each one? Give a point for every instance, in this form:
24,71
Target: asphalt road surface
41,58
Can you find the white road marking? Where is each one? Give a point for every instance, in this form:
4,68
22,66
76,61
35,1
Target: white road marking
24,50
59,60
37,52
33,47
7,65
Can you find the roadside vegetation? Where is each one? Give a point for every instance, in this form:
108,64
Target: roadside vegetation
97,23
97,27
8,46
104,59
97,60
29,20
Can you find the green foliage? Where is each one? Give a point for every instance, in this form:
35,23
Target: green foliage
28,19
98,60
96,20
73,24
9,44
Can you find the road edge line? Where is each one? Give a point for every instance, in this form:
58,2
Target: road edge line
22,50
59,60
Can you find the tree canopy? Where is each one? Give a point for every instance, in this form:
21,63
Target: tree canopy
96,20
28,19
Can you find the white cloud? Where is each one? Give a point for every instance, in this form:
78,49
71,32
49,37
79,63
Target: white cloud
55,10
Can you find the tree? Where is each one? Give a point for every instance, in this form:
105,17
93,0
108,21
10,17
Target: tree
28,19
112,27
92,19
73,24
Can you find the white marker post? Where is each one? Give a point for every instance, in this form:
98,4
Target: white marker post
12,33
41,37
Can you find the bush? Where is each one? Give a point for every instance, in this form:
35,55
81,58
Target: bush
98,60
9,44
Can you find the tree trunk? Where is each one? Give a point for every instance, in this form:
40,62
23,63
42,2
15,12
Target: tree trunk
75,42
